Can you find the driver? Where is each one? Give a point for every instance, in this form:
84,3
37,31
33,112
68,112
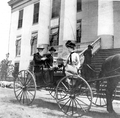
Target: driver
39,62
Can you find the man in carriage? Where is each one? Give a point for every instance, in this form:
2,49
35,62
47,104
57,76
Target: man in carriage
43,61
39,63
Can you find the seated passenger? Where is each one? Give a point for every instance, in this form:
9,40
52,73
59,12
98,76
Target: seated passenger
39,59
50,56
73,61
39,63
49,61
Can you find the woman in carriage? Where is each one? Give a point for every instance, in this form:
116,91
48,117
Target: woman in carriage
73,61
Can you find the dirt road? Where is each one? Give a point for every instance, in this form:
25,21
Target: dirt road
44,106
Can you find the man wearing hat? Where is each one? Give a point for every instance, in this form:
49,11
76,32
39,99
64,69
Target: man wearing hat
39,62
49,61
52,51
86,71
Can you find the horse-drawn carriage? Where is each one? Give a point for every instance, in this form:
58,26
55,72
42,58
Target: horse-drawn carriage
73,94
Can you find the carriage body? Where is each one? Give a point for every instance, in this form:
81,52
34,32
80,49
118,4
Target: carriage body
70,92
73,94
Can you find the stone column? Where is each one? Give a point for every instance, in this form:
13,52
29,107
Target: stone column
67,21
45,11
105,23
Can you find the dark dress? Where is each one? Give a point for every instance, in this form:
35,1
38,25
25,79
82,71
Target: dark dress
88,56
38,63
42,76
86,71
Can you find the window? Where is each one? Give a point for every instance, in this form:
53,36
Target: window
36,13
33,42
54,37
56,8
79,5
18,47
79,30
20,20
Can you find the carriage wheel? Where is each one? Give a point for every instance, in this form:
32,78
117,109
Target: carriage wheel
99,95
52,92
25,87
115,92
71,95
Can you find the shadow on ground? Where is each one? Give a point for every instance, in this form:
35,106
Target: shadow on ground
98,114
51,105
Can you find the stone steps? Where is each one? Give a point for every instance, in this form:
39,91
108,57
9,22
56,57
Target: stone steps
99,58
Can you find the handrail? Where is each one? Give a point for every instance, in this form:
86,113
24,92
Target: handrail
95,48
98,39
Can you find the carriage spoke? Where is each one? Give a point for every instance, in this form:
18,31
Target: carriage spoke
28,96
31,93
68,107
28,82
62,99
65,104
96,100
18,90
79,104
82,101
19,93
64,86
28,78
21,96
25,77
75,104
72,107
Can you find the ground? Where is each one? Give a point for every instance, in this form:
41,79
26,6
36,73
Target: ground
44,106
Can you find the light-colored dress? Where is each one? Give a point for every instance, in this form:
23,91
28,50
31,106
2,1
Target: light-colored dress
73,63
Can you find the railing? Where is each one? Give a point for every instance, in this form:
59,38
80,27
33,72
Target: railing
96,46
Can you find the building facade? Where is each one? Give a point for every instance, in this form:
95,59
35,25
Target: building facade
52,22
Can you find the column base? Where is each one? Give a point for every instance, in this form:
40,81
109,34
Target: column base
107,41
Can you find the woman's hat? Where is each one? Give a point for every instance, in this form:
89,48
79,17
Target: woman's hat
52,49
70,44
40,46
90,46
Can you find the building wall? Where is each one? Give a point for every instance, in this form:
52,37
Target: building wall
89,17
25,33
116,24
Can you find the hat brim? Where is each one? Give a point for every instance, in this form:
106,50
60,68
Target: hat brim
90,47
40,48
52,50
